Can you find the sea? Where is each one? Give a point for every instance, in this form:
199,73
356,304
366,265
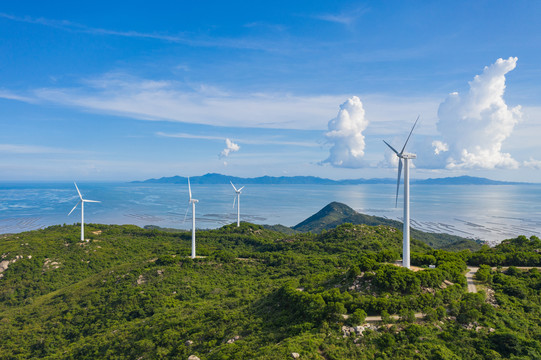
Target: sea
489,213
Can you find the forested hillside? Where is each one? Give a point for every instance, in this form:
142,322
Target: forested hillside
255,293
337,213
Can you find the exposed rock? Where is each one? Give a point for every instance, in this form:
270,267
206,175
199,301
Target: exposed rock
188,343
233,339
193,357
4,264
347,331
295,355
160,272
141,280
491,299
50,264
359,329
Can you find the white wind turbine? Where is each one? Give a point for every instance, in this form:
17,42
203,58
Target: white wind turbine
191,201
82,202
402,156
238,202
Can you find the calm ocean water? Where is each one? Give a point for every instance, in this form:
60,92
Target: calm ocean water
490,213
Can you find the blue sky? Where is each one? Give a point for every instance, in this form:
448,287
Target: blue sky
132,90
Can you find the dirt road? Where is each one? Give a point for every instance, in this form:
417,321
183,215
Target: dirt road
469,277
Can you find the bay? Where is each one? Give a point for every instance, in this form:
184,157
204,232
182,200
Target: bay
488,212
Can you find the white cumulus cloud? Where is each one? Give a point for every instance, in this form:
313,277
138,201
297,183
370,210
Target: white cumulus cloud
475,125
230,147
346,135
533,163
439,147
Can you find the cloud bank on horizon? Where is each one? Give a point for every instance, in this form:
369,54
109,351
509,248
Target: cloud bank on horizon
472,126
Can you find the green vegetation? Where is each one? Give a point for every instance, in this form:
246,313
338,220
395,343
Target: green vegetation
337,213
256,293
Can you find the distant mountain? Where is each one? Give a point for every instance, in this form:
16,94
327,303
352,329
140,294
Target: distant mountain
335,214
464,180
213,178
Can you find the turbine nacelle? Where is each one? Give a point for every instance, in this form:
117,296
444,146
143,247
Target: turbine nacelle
402,156
238,191
408,156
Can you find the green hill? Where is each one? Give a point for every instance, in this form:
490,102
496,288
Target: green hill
337,213
254,293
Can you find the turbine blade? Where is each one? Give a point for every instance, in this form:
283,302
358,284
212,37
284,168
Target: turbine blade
85,200
74,207
392,148
241,188
80,196
187,208
233,186
406,143
398,181
189,188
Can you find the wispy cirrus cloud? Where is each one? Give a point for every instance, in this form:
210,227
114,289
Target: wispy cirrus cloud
4,94
251,141
172,101
33,149
164,100
186,38
345,17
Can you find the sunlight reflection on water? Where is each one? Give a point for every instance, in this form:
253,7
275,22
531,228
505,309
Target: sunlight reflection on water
491,213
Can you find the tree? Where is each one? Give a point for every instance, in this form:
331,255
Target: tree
407,315
358,317
385,317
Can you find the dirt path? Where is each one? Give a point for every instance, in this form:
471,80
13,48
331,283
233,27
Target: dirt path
469,278
394,317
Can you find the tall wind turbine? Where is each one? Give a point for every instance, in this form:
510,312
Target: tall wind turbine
192,201
82,202
238,202
404,157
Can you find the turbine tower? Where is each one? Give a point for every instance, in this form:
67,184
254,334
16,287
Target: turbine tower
238,202
404,157
82,202
192,201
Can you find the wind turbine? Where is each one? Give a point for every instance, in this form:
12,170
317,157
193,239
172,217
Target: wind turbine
402,156
238,202
82,202
191,201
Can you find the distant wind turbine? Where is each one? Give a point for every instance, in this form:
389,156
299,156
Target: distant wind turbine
402,156
238,202
82,202
191,201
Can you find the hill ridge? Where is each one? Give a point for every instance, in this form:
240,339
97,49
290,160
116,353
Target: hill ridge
215,178
336,213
